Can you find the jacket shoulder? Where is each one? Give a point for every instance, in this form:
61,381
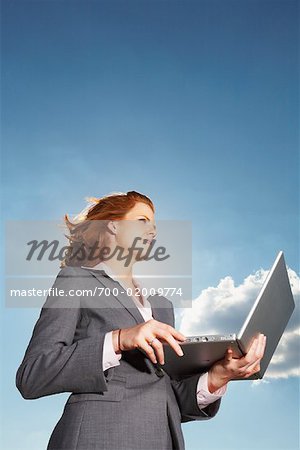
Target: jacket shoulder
70,271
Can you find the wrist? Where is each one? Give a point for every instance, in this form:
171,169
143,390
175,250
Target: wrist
215,382
116,341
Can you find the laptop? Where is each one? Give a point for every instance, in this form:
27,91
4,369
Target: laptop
269,315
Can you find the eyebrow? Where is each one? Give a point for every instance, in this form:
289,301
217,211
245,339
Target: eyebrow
144,215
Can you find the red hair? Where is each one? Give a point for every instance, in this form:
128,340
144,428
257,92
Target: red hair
104,209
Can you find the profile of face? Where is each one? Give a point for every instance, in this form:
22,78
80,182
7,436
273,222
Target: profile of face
136,229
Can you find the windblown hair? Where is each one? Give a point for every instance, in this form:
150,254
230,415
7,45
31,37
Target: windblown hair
89,226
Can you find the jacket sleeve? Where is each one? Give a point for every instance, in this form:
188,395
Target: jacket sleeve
57,359
186,395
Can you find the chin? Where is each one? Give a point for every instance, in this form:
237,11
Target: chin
141,257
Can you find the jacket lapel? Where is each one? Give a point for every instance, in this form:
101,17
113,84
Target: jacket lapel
159,312
125,300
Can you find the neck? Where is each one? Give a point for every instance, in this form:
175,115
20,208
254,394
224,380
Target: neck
125,273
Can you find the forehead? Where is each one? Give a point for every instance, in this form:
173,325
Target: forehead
140,209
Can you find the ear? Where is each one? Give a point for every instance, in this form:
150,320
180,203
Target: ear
112,227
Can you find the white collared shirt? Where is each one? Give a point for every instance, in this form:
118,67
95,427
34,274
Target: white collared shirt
146,306
111,359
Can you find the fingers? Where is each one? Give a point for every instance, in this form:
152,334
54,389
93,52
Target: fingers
250,363
263,344
152,332
255,366
167,337
250,356
176,334
148,351
155,325
162,332
258,349
229,355
158,346
158,349
255,352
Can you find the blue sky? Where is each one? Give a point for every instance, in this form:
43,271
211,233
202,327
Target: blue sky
194,103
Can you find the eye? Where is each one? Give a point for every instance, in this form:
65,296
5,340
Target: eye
144,220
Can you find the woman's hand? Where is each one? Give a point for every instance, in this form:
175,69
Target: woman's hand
147,337
230,368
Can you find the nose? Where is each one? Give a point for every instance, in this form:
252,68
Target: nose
152,229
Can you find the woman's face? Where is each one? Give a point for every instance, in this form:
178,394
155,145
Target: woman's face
137,229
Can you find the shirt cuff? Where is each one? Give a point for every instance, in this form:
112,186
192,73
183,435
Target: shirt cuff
204,397
110,358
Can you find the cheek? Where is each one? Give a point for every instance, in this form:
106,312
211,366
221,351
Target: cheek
128,235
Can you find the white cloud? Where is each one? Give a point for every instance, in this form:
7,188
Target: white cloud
223,309
256,383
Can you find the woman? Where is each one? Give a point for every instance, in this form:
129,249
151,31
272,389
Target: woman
106,350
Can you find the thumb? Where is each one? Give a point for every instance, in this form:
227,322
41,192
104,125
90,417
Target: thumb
229,354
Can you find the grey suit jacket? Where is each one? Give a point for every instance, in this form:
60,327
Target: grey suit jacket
133,406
